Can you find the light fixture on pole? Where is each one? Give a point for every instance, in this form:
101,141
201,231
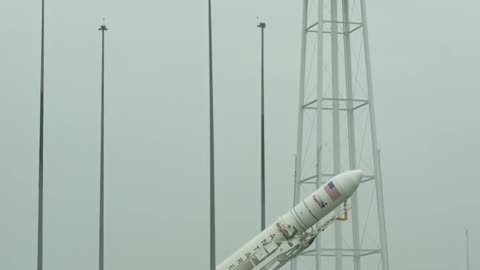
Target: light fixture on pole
262,26
101,245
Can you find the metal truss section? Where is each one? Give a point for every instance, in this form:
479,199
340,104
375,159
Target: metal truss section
346,252
337,132
342,102
342,29
312,179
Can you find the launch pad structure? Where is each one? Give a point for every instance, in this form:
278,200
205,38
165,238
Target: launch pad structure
337,132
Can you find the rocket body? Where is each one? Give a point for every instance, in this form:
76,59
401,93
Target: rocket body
266,248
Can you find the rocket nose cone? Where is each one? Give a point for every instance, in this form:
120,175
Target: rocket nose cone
356,177
350,181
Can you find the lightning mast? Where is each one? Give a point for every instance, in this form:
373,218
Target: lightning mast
102,28
212,143
262,26
40,152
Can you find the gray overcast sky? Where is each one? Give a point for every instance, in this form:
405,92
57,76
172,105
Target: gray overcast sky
425,62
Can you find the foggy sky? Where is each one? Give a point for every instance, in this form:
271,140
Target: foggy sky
425,61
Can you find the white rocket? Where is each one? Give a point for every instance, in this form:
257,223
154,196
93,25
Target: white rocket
295,231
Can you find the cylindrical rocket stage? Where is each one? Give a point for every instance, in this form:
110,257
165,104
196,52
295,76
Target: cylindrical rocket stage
300,218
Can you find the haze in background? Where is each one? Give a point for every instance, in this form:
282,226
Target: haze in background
425,64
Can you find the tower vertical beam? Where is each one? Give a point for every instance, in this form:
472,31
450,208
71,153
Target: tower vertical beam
351,129
301,100
373,129
319,137
336,121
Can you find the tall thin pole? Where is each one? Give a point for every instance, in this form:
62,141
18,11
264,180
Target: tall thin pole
262,162
212,146
102,28
468,249
40,152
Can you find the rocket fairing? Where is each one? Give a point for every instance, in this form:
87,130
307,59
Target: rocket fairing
294,231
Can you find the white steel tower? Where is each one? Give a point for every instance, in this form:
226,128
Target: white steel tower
337,132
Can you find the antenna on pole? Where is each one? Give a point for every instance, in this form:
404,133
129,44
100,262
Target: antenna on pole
468,249
262,26
40,154
212,146
101,245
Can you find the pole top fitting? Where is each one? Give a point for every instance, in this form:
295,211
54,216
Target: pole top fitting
262,25
103,27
